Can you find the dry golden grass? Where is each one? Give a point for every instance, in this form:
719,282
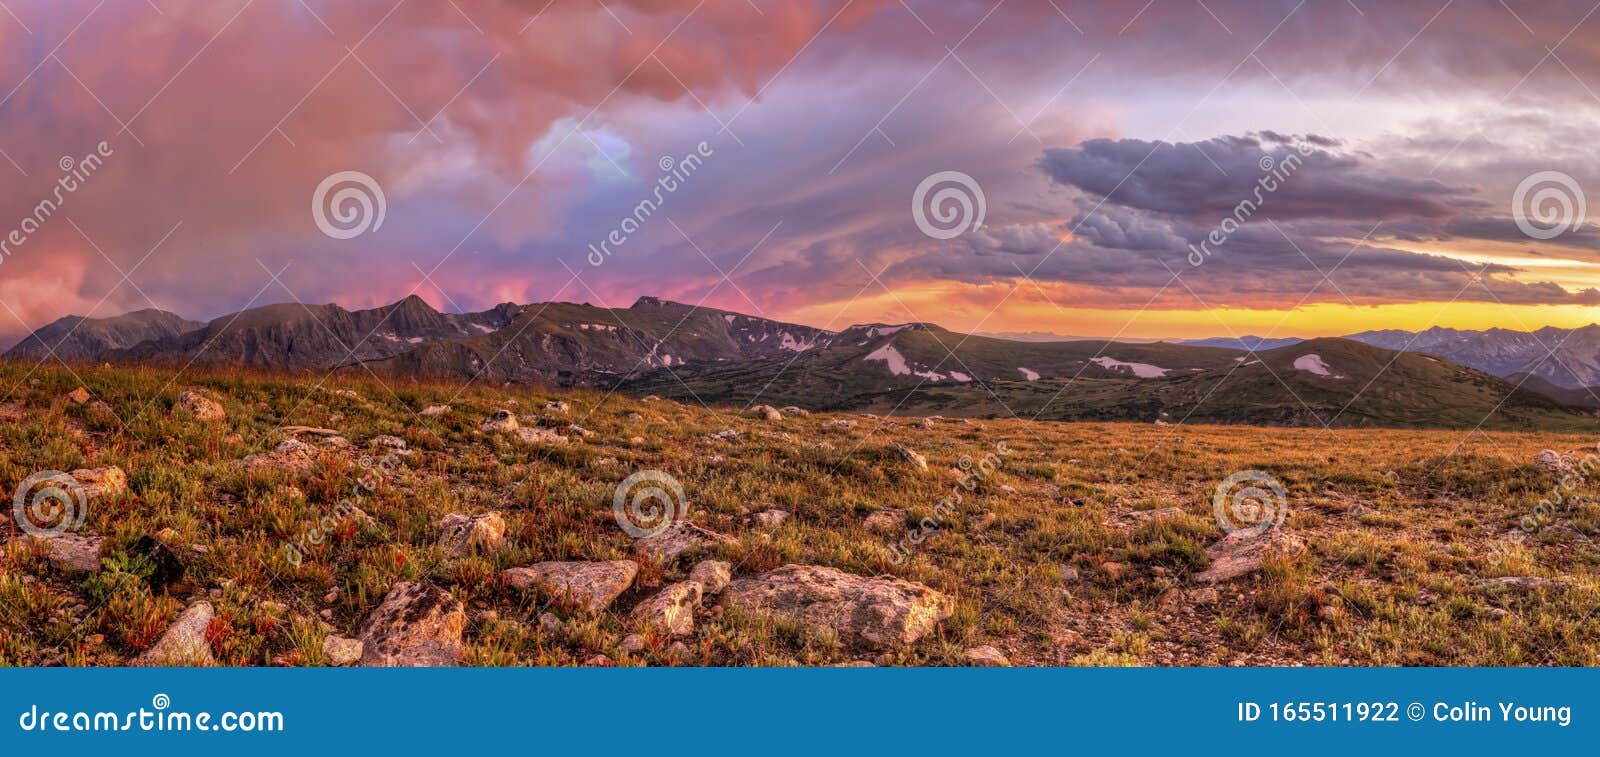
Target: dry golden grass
1400,526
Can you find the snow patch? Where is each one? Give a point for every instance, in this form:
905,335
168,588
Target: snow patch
1140,370
959,376
795,345
483,328
897,365
1029,375
1313,363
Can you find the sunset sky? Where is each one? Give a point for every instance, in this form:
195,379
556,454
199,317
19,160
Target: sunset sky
508,136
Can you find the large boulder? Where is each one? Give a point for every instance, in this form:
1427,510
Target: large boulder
184,645
594,585
1241,553
418,625
878,613
671,610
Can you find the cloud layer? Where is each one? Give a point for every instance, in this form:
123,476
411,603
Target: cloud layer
510,135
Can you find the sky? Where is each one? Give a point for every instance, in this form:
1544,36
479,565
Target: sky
1079,167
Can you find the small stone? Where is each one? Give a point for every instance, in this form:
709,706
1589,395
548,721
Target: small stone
795,411
886,522
341,651
184,644
1549,461
679,540
712,575
435,411
671,610
878,613
550,623
79,396
1114,570
598,661
501,421
416,625
986,657
594,585
1328,613
72,552
1205,597
1069,575
203,408
167,568
911,456
771,520
631,643
555,406
461,534
97,483
331,597
540,435
1242,552
678,649
766,412
387,441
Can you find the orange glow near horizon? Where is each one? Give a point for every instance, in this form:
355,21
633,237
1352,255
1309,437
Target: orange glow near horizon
996,308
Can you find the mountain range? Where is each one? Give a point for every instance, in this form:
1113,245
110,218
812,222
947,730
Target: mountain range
1434,378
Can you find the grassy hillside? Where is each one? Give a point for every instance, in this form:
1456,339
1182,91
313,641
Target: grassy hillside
1364,385
1081,548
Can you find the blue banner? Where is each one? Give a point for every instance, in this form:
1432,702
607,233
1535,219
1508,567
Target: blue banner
800,711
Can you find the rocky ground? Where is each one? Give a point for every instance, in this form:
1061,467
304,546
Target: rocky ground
240,519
